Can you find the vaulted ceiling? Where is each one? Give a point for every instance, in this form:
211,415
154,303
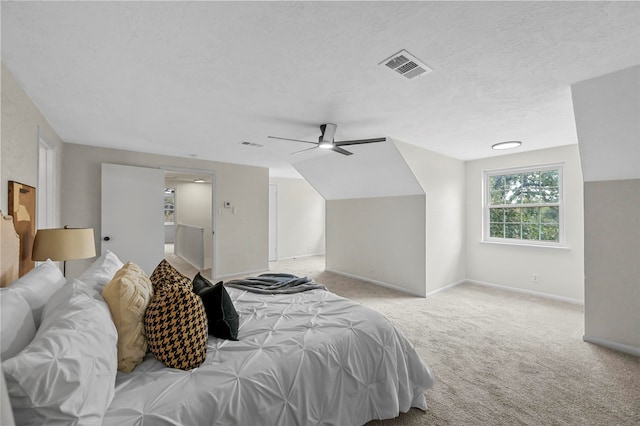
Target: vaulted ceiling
199,78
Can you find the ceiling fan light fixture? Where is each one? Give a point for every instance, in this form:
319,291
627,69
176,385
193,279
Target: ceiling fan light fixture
506,145
325,145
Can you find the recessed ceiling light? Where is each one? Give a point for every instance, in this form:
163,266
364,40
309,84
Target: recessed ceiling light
199,181
506,145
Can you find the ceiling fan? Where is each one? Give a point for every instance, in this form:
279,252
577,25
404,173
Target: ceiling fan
325,140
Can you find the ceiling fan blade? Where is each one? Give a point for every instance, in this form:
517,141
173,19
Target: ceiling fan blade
294,140
359,141
341,151
328,132
303,150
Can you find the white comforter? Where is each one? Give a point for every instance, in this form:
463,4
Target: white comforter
306,358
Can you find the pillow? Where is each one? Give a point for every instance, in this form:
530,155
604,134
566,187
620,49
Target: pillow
128,294
176,327
6,413
221,314
167,274
38,285
17,327
101,270
67,373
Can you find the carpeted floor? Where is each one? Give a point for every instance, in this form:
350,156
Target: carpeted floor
500,358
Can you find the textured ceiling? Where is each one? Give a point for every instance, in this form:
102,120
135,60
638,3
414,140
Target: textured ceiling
198,78
376,170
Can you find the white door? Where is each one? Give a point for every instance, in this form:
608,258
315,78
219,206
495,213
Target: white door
133,214
273,223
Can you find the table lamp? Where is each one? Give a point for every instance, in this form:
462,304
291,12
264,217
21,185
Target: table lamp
63,244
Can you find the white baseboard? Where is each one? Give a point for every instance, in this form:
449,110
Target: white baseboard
612,345
379,283
297,257
242,274
529,292
447,287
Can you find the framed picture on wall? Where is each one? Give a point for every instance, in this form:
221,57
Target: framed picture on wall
22,207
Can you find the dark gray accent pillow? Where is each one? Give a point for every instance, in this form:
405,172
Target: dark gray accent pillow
221,314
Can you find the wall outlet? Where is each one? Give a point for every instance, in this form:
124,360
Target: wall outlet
535,278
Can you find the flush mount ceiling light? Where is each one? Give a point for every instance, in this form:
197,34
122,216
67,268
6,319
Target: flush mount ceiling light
199,181
506,145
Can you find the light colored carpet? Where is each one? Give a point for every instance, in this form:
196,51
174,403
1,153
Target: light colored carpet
500,358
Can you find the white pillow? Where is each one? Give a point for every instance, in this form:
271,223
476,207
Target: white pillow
67,374
38,285
101,271
16,323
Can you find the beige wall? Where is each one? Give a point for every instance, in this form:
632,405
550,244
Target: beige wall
442,179
21,122
301,217
561,271
379,239
607,110
242,242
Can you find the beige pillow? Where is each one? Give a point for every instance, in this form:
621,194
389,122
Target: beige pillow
128,295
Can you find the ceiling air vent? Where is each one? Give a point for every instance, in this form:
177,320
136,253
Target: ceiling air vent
404,63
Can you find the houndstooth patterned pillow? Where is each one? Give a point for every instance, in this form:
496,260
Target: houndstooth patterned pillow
176,327
166,274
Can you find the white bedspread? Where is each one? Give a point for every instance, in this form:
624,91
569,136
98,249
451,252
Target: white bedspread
306,358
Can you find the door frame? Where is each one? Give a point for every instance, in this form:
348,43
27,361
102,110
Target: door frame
214,239
46,202
273,221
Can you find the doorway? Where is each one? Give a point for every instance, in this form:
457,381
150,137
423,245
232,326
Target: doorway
189,232
273,223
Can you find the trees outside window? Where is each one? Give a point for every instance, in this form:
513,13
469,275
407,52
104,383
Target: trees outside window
524,205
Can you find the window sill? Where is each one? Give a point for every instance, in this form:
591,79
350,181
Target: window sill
523,244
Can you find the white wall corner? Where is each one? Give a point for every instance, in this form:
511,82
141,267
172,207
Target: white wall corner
612,345
380,283
447,287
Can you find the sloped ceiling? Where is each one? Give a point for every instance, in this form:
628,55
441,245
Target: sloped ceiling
374,170
609,128
199,78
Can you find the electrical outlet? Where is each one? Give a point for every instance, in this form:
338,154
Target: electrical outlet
535,278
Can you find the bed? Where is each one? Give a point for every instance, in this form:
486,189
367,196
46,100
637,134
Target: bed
304,358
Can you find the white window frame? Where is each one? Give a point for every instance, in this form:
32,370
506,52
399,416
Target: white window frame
486,192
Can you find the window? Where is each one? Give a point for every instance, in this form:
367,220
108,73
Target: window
524,206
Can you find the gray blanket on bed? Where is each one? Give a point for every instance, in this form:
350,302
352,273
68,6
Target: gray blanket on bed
275,284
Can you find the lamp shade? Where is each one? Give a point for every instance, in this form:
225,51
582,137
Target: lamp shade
63,244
